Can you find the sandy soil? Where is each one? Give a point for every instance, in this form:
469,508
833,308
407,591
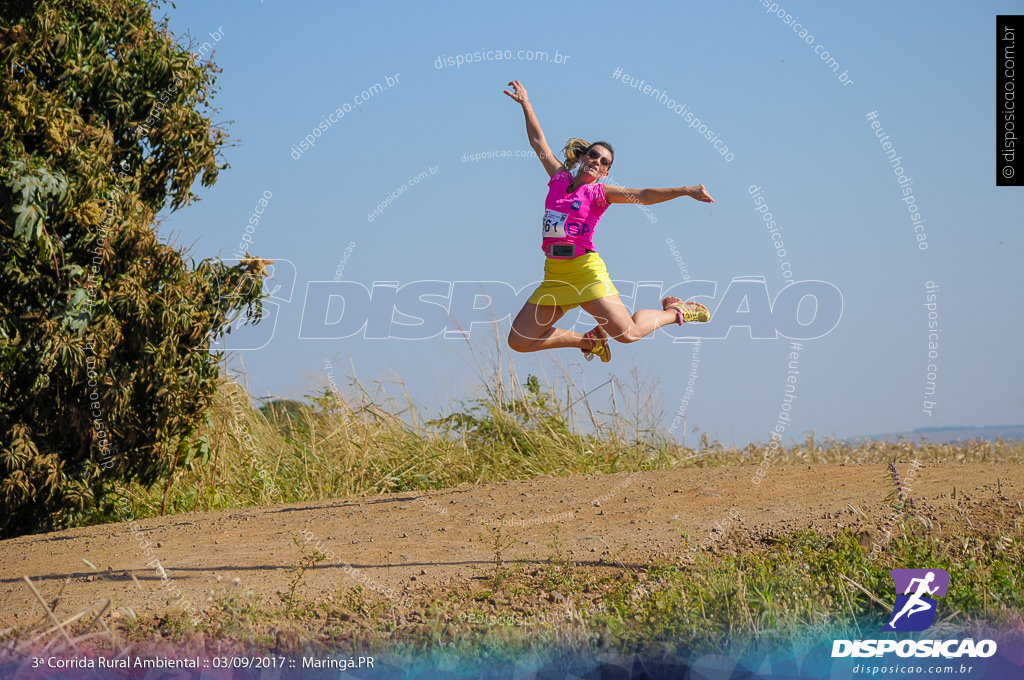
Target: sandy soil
424,544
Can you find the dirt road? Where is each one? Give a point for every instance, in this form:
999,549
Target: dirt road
420,545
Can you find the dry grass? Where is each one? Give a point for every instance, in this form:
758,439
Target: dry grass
362,443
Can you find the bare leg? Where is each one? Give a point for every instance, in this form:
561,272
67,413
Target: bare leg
613,316
533,330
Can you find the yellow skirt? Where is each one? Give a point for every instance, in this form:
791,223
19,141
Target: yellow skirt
567,283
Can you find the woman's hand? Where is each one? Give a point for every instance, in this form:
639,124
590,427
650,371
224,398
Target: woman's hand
701,194
518,93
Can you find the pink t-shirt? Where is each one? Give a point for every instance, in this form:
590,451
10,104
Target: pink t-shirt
572,218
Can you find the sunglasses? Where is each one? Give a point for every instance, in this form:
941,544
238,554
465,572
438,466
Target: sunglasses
606,162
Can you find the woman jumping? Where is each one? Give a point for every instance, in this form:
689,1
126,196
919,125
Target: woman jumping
574,274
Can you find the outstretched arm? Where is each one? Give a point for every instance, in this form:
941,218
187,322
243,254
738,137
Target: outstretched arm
924,585
533,131
614,194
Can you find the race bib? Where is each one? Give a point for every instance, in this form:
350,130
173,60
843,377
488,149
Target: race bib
554,224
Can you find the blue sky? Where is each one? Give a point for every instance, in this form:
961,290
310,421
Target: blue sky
794,129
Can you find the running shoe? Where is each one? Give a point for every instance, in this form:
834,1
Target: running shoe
686,311
600,348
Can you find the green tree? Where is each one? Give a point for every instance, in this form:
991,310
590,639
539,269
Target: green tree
105,369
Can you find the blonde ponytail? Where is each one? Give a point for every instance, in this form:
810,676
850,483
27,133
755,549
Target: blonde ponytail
574,148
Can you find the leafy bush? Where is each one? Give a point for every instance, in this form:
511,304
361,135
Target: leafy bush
104,331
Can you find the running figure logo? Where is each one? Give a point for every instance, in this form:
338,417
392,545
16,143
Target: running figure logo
914,610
